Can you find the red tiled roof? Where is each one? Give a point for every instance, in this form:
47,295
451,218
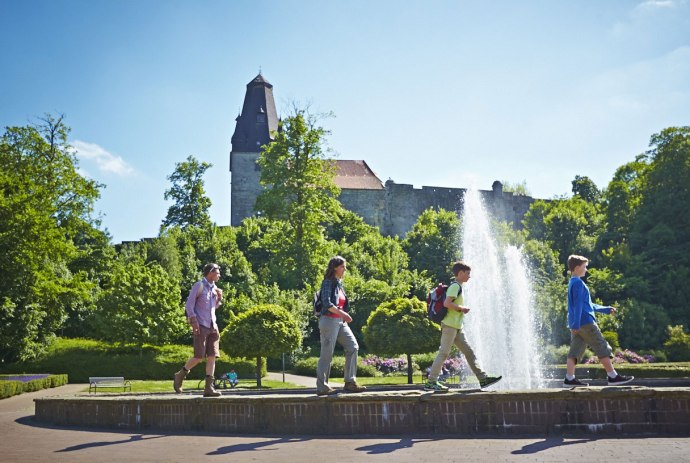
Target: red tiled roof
356,175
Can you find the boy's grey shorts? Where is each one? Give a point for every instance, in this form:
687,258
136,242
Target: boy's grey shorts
589,335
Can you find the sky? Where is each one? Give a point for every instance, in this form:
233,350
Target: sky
437,93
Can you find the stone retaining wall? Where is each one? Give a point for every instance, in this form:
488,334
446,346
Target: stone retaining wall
587,410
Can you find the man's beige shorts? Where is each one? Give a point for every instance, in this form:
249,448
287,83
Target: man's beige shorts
206,343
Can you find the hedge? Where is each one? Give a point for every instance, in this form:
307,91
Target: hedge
81,358
10,387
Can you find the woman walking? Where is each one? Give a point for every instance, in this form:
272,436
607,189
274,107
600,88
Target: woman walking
333,326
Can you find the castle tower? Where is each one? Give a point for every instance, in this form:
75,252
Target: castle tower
255,124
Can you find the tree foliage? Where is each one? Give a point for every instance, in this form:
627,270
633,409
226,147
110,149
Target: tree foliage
299,191
401,327
191,204
570,226
266,330
660,235
141,305
45,221
586,189
433,243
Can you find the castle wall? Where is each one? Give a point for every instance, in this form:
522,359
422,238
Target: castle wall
396,209
369,204
393,210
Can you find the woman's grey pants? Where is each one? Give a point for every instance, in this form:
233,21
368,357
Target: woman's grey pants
332,330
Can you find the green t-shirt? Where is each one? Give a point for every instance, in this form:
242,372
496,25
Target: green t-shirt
454,318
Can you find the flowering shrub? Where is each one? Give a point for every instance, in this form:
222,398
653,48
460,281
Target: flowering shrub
454,365
625,356
386,366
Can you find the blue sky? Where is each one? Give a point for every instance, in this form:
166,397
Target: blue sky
440,93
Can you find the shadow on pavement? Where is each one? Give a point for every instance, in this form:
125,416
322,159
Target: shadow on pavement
546,444
251,446
390,447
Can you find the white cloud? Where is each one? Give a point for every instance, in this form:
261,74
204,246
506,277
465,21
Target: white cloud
648,4
104,160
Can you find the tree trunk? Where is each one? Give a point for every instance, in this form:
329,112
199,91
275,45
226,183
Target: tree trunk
409,369
258,372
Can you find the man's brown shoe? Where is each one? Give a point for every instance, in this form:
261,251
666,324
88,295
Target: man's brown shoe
329,391
209,391
179,377
352,386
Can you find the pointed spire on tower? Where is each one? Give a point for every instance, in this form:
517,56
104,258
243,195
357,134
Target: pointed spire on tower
258,118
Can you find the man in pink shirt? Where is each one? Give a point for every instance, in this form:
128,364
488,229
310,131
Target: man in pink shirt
201,305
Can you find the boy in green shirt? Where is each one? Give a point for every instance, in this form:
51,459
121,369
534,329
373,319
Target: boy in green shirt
451,333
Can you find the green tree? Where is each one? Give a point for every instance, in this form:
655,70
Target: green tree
677,344
621,201
660,234
518,188
141,305
586,189
642,325
570,226
191,204
433,243
401,327
299,190
264,331
365,296
45,221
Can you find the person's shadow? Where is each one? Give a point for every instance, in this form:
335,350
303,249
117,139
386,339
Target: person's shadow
134,438
390,447
546,444
255,445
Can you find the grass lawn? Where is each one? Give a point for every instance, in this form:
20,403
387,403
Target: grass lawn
195,385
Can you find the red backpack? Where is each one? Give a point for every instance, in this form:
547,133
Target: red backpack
434,303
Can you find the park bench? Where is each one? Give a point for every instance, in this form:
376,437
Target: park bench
96,382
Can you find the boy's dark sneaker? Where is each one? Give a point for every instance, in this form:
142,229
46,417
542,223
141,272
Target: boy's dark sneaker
620,379
574,383
435,386
489,380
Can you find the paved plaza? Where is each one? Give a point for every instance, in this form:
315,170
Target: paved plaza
27,441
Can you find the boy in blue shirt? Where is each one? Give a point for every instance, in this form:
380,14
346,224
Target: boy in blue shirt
583,327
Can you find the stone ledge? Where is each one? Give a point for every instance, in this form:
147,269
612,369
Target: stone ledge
548,411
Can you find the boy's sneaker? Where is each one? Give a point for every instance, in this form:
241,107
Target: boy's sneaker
435,386
620,379
574,383
488,381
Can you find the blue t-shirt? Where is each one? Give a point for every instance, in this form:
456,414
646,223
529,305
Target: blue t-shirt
580,306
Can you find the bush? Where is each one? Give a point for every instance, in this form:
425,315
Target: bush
424,361
654,355
557,355
81,358
678,344
622,356
307,367
13,385
612,338
387,365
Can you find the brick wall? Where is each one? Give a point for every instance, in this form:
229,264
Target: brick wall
591,410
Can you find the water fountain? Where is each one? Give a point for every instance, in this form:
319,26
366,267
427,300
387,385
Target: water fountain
501,324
